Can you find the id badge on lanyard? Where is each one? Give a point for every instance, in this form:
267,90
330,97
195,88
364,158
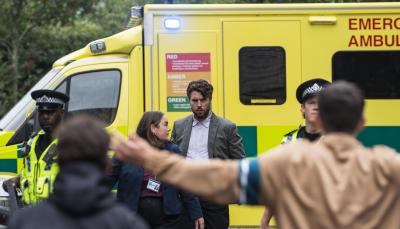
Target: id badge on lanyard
153,185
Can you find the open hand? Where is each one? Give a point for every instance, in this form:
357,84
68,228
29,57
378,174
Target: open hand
133,150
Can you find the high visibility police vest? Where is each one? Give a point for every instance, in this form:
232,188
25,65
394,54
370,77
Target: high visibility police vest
294,135
291,136
38,174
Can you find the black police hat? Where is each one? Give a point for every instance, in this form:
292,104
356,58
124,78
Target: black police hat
310,88
49,100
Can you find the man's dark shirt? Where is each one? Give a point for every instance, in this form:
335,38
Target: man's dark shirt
42,143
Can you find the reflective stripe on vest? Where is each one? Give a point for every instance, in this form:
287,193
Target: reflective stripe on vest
291,137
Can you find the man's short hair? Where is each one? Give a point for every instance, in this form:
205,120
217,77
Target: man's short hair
83,139
341,107
201,86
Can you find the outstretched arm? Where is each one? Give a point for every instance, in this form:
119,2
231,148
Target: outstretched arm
215,180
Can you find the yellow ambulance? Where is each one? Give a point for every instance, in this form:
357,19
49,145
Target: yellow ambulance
254,55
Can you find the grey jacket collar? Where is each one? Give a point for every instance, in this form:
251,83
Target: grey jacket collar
214,125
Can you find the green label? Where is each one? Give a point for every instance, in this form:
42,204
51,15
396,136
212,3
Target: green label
178,104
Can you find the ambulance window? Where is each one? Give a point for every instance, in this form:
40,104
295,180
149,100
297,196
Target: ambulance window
262,75
62,88
95,93
376,72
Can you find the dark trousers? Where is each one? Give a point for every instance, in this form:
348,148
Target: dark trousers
152,211
215,216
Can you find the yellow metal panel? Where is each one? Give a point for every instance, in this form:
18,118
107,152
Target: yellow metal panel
136,87
9,152
382,112
269,137
122,42
238,34
20,164
5,137
245,215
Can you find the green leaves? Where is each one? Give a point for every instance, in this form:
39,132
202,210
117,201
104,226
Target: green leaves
35,33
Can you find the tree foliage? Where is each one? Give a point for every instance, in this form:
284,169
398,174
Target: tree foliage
35,33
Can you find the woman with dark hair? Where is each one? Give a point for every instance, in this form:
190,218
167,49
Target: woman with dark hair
158,203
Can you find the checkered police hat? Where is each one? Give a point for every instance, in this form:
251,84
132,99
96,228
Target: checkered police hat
310,88
49,100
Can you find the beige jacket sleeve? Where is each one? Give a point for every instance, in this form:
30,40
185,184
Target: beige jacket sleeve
388,163
215,180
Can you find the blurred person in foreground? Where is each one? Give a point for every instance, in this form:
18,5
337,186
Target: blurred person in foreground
82,197
306,95
333,183
160,204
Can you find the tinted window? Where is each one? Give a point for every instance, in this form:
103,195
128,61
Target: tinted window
262,75
62,88
95,93
376,72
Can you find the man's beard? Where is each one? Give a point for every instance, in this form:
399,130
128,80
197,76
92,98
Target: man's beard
202,117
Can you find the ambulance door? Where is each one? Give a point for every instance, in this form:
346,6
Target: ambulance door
262,69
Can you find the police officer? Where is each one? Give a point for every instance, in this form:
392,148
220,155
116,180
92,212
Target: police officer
306,95
37,177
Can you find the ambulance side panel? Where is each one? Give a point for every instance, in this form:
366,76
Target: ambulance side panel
256,60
